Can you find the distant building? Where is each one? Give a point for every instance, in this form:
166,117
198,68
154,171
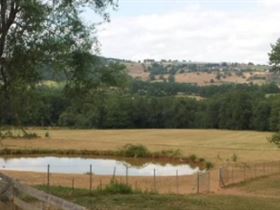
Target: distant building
149,61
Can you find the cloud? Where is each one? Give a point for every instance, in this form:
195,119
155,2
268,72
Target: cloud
195,33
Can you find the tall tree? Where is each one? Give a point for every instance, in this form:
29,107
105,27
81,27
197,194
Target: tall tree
36,33
274,56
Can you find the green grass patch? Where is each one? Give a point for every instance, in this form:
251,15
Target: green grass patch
139,201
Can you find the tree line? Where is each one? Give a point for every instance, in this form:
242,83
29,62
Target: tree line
250,108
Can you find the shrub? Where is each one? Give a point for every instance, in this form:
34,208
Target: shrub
168,153
130,150
209,165
47,135
193,158
234,157
275,139
117,188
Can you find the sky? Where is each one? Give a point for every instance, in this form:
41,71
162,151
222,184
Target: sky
196,30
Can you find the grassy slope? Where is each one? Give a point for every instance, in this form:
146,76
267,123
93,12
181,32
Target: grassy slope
166,202
217,146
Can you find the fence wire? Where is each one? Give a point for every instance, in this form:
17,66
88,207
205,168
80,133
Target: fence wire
239,173
173,183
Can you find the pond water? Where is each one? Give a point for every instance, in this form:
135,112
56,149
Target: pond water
76,165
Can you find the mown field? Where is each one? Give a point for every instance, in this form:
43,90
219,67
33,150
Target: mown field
217,146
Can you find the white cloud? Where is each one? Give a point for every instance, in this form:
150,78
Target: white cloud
195,33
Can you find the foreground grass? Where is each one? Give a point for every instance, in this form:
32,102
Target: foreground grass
216,146
139,201
267,186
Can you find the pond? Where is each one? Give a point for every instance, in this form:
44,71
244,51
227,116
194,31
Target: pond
75,165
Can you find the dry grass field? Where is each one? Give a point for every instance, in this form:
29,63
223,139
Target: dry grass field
217,146
138,71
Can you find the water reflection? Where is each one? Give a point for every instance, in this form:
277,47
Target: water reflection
77,165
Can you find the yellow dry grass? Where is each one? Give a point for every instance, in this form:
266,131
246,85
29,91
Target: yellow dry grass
217,146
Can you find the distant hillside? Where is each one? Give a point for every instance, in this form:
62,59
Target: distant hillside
201,73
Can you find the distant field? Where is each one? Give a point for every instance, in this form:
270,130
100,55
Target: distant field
217,146
139,71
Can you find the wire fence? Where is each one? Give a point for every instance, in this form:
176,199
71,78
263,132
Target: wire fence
239,173
155,181
173,183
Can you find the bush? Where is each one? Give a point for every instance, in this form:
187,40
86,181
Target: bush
234,157
193,158
209,165
47,135
275,139
136,151
117,188
168,153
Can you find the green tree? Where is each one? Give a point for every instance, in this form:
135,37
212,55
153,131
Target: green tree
36,33
261,114
274,56
275,114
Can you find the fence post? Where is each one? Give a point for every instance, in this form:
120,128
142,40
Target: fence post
231,174
155,187
100,184
221,177
136,186
197,182
177,182
90,177
114,174
126,175
209,181
73,184
48,178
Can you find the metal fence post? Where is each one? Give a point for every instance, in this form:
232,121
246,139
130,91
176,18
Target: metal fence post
126,175
73,184
48,177
197,182
90,177
222,177
155,187
177,182
209,181
114,174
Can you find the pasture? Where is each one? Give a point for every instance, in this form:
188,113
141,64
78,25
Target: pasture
218,146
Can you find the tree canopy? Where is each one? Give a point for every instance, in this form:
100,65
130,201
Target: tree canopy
274,56
38,34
